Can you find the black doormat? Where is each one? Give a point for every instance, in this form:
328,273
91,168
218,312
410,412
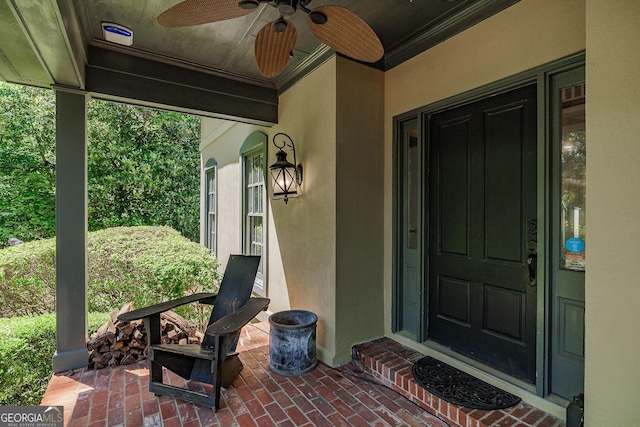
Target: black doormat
455,386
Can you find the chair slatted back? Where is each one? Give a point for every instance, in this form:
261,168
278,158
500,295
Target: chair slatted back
235,288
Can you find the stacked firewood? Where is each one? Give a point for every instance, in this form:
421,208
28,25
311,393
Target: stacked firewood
119,342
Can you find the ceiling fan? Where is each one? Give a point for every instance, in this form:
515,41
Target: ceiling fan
335,26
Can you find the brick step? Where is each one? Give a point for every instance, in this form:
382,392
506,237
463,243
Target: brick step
391,363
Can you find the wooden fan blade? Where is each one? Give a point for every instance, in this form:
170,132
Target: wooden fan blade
347,33
273,49
196,12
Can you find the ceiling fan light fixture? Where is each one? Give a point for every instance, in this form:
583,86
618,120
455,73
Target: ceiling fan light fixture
286,7
318,17
280,25
248,4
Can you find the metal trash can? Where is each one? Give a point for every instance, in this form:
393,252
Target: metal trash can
292,342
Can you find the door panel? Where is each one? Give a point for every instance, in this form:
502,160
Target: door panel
453,175
454,300
483,193
571,331
504,313
503,175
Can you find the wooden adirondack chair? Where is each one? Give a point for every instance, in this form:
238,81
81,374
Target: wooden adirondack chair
214,361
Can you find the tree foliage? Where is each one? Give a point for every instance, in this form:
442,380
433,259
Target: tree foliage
574,169
27,158
143,166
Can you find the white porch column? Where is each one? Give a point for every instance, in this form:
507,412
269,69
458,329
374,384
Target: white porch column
71,230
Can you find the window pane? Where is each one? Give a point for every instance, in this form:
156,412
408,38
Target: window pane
411,184
573,178
211,210
256,199
256,237
254,172
250,171
258,168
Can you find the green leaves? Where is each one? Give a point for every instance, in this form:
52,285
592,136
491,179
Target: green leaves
27,147
143,166
23,378
27,345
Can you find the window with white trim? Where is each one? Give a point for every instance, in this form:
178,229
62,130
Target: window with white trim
211,227
254,204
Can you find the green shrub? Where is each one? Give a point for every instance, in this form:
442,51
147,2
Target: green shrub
27,278
143,265
27,345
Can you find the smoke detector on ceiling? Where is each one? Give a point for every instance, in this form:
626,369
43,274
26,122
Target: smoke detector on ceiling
116,33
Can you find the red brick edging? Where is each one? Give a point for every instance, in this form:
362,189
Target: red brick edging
391,363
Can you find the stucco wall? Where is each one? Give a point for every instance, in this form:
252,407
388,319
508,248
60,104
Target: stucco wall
612,378
521,37
306,227
331,238
301,252
325,248
359,203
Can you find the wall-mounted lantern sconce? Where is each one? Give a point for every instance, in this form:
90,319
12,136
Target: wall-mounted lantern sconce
286,176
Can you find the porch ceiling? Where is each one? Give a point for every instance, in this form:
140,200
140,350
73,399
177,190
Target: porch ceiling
57,42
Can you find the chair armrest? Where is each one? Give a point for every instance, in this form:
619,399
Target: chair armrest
203,297
236,320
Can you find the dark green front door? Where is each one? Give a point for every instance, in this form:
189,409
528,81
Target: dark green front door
482,231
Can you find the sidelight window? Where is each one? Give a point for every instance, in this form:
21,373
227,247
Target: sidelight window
573,179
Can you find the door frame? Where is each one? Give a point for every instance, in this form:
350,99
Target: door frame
540,75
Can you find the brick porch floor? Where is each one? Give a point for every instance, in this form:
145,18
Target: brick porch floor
258,397
376,389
